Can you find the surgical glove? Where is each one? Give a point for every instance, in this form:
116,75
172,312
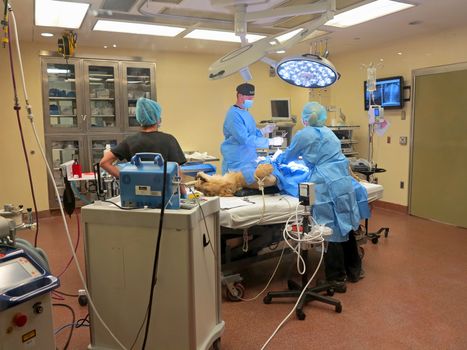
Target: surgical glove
269,128
276,141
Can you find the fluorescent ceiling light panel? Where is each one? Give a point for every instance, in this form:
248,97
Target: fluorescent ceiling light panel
137,28
367,12
61,14
221,36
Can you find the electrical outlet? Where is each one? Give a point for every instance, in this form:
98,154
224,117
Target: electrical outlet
403,140
403,115
402,184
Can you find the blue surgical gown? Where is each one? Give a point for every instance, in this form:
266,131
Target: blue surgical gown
242,138
336,203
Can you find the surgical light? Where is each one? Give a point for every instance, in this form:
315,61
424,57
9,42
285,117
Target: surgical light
308,71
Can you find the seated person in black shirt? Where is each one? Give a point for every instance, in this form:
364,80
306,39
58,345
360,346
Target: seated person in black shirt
148,140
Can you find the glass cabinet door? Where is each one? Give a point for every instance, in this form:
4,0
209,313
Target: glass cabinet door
61,149
61,94
97,145
101,80
138,81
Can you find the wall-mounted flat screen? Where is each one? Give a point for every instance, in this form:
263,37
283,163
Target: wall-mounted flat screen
389,93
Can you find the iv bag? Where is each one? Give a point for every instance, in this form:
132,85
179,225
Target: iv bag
371,79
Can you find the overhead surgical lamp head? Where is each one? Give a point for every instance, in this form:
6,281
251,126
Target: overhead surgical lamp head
307,71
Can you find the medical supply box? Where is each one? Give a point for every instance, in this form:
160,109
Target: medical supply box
141,182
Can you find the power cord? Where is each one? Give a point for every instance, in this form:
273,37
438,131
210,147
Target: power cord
73,322
50,173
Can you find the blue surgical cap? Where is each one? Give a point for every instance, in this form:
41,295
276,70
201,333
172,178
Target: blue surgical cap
314,114
148,112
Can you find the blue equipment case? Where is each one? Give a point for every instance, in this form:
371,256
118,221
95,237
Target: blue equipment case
141,182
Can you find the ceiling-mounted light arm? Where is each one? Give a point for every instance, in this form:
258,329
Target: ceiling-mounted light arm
240,25
269,61
318,7
241,58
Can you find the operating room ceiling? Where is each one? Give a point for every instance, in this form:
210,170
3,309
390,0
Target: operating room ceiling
429,16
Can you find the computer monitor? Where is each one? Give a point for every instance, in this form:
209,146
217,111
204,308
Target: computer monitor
388,94
280,109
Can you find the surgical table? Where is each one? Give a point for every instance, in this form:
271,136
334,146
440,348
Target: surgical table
259,227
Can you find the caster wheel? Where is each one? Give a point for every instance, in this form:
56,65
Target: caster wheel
339,308
330,292
83,300
239,292
374,240
300,314
267,299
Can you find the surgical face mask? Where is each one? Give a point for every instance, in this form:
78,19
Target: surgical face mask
247,104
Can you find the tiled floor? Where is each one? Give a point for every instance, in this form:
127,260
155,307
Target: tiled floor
414,295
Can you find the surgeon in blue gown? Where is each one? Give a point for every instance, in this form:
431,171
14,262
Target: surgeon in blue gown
341,202
242,137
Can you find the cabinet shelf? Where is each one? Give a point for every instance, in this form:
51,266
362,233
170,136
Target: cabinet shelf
102,98
61,98
62,115
345,135
103,116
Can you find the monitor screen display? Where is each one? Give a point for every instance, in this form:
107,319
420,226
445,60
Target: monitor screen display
388,94
280,108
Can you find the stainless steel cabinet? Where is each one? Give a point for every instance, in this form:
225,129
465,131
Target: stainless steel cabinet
88,104
345,134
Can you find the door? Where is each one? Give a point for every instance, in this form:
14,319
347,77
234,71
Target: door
138,81
62,95
60,150
438,188
101,81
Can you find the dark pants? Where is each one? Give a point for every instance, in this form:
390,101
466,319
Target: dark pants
342,260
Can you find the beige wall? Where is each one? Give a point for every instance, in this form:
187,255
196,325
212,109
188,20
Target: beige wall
428,51
193,110
194,107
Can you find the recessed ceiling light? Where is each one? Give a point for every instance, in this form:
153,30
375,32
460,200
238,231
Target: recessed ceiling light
137,28
105,46
220,36
280,51
114,45
61,14
47,35
399,53
367,12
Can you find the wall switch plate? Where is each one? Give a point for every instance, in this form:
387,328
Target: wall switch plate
388,139
403,140
402,184
403,115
